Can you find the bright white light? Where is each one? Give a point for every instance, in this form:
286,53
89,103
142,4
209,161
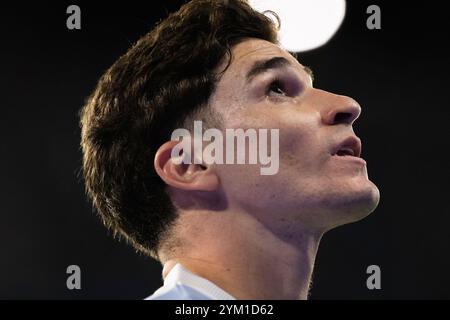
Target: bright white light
305,24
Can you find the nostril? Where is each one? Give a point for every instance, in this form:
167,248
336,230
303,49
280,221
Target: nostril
340,110
342,117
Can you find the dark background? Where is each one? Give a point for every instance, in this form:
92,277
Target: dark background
399,75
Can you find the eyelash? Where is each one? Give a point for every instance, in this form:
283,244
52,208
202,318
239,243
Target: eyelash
278,83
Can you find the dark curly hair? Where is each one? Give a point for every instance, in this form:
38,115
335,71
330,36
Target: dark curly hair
166,77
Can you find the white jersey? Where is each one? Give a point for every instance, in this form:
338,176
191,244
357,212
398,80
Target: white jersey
181,284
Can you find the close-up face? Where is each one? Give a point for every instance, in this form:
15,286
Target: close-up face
321,181
223,149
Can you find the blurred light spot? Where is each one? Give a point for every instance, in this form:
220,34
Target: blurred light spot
305,24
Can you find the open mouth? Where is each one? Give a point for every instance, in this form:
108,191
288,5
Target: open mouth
345,152
350,147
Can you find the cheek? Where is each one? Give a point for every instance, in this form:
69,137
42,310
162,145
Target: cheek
300,150
301,145
245,185
242,183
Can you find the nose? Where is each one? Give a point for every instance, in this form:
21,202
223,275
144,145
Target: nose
341,110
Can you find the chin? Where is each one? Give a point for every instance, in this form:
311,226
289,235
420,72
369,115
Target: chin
352,205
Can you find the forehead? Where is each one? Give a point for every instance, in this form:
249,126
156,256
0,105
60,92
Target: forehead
250,50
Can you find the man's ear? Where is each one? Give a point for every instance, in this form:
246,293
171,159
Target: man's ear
184,176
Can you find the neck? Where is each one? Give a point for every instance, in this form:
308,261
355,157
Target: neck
247,260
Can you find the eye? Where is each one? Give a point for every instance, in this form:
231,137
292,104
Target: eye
277,88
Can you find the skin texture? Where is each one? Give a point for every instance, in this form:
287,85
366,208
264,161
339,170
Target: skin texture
256,236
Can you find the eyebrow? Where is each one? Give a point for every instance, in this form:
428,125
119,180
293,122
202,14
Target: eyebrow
262,66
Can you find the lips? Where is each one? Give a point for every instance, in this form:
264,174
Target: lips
351,146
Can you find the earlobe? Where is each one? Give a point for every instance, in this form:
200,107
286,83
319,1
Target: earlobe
186,176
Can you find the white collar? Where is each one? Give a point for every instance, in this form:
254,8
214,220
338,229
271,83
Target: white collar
181,276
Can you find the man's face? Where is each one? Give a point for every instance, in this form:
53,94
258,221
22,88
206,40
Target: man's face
318,184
